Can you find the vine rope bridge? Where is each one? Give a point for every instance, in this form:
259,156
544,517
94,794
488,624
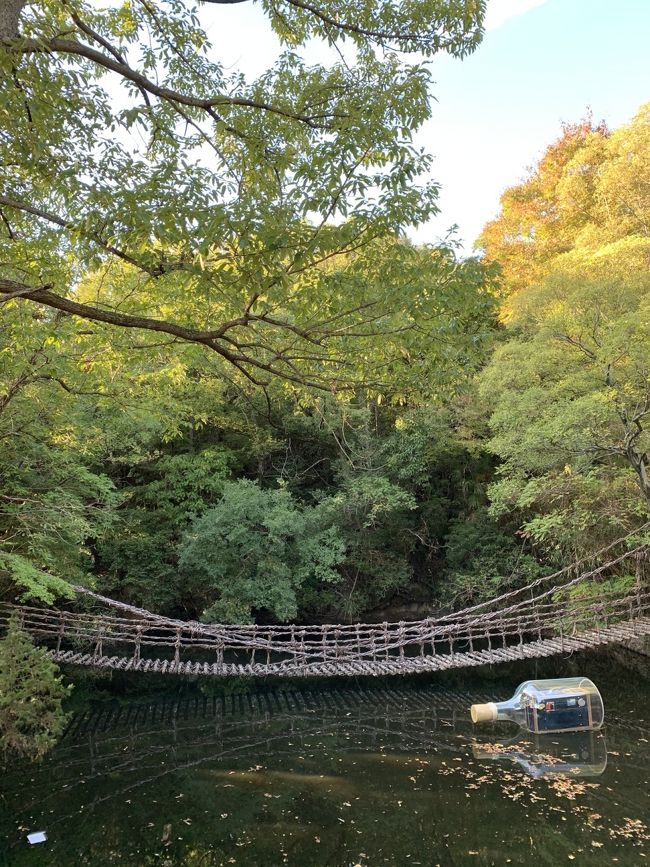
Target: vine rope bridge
557,614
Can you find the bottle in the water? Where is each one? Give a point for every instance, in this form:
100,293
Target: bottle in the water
568,704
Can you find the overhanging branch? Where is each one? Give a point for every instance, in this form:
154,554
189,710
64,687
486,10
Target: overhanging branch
112,64
153,270
280,364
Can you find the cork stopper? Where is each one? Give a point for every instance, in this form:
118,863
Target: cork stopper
483,712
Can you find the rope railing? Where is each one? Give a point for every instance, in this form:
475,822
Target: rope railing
49,621
442,619
538,619
379,647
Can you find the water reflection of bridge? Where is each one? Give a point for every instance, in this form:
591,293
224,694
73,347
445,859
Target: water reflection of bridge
142,744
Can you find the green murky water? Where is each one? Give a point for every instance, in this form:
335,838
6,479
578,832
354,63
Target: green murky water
338,774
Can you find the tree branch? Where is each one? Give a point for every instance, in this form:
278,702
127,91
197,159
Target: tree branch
10,232
283,368
17,384
153,270
42,295
23,292
71,46
577,344
71,390
85,28
349,27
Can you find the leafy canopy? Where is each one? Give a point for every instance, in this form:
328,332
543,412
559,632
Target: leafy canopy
569,388
254,550
146,186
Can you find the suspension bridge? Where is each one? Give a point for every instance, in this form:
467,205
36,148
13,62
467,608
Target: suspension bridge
571,610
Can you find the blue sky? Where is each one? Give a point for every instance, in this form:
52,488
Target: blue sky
541,62
498,109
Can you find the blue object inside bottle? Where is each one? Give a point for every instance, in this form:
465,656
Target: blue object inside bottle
565,712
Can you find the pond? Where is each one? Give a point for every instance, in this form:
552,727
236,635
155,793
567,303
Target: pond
341,773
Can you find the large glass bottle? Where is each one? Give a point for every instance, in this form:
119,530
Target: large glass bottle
567,704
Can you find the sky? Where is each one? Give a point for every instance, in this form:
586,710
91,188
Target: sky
541,63
497,110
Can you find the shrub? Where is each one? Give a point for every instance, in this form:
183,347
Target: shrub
31,697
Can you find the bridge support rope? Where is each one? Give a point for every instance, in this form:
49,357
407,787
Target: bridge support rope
560,613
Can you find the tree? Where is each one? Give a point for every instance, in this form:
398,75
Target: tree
173,236
622,195
137,559
205,206
52,501
483,560
31,697
255,550
588,189
541,217
70,398
568,389
113,445
571,397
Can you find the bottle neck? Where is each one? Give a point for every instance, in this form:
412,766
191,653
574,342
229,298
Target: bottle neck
503,710
510,709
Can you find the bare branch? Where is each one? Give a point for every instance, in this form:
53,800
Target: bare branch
577,344
124,320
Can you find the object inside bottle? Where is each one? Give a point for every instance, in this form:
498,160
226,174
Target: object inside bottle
558,711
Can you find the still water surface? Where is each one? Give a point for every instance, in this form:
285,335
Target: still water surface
366,773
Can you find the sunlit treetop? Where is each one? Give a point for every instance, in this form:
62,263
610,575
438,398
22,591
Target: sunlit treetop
588,190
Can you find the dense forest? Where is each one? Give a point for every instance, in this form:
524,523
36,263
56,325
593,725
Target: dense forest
231,389
510,435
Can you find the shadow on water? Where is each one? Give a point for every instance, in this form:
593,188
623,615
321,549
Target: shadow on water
340,774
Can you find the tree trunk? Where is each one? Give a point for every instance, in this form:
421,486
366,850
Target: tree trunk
644,475
640,462
9,14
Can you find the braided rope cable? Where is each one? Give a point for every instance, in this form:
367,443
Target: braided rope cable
445,619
